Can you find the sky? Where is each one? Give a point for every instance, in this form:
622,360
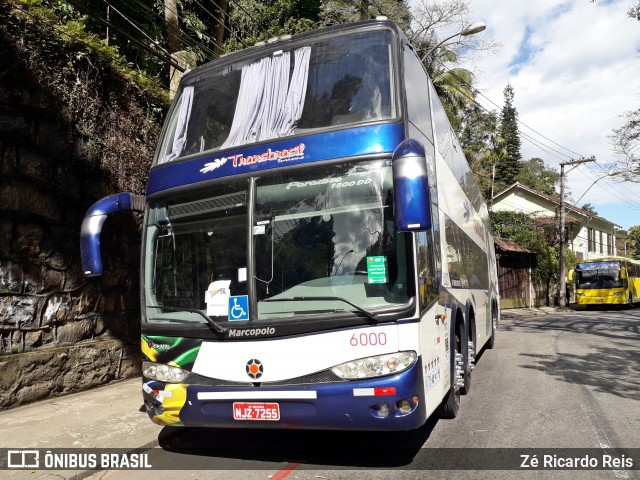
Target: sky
575,69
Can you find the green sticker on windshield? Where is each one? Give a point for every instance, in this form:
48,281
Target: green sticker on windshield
377,269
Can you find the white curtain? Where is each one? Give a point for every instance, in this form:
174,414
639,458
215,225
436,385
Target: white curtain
269,104
248,105
180,136
292,109
275,95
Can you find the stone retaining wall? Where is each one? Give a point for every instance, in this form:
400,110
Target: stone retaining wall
71,132
55,371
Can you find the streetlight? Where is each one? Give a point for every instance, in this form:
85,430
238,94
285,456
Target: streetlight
610,173
470,30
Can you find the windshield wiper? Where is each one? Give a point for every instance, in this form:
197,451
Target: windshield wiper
216,327
370,315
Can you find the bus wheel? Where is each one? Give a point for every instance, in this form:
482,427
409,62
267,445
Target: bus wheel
630,302
467,366
451,403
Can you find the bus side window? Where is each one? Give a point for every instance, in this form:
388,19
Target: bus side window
427,285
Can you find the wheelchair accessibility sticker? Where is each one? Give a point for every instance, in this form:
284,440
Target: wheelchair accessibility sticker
239,307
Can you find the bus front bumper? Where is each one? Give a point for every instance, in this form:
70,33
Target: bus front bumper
372,404
601,300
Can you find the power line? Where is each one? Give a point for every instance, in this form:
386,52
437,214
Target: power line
474,100
152,50
184,38
622,183
613,191
238,5
219,22
534,130
40,19
536,142
134,25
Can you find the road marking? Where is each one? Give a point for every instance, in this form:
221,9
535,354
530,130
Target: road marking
601,435
285,471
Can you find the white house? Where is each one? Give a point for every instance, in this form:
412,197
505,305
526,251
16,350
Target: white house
587,234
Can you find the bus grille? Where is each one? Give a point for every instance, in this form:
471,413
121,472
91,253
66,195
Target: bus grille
326,376
209,205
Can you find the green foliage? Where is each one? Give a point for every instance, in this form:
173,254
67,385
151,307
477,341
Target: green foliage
454,87
509,167
633,236
112,112
535,174
520,228
589,208
626,145
257,21
334,12
483,147
64,25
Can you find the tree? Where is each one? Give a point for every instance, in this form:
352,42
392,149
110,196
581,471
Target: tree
509,167
432,21
535,174
454,89
483,147
333,12
626,139
522,229
626,145
589,208
256,20
634,241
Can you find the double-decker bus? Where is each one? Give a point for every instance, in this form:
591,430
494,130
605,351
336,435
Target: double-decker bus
607,281
316,252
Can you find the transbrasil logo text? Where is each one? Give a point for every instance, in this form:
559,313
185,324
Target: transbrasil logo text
239,159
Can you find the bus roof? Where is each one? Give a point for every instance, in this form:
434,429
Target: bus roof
610,259
281,42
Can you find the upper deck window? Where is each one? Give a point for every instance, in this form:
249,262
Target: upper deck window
335,81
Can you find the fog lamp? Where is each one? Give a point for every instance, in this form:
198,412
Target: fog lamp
404,406
382,409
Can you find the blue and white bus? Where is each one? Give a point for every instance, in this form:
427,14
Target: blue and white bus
316,252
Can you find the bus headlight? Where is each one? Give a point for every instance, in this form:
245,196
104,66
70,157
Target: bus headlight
163,373
617,294
376,366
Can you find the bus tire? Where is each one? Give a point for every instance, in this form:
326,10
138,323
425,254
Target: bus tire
466,376
630,302
451,402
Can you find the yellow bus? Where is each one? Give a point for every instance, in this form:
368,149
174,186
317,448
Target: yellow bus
607,281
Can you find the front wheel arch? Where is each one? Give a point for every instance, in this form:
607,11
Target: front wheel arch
451,402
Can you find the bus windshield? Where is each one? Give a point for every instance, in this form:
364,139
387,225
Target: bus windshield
324,241
333,82
598,275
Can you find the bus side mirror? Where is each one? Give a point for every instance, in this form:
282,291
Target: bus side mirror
411,187
623,273
92,227
570,275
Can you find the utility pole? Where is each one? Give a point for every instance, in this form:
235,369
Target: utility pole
562,280
364,10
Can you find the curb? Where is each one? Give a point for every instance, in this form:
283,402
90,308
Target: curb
530,312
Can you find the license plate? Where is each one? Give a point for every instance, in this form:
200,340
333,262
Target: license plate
599,300
256,411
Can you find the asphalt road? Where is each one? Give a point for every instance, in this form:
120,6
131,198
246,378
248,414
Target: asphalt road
552,382
560,381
